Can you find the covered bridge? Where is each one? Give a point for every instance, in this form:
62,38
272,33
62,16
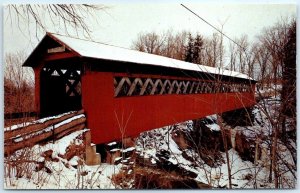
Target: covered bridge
124,92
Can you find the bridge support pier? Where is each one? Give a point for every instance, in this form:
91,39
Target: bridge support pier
91,156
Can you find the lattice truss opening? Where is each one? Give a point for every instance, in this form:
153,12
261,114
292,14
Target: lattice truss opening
135,86
71,78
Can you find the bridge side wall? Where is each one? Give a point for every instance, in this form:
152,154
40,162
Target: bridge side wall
37,79
111,118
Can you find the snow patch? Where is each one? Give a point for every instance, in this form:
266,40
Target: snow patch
112,143
213,127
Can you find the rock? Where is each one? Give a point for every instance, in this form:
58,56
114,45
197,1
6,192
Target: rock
74,150
84,173
55,159
245,147
39,166
208,142
47,154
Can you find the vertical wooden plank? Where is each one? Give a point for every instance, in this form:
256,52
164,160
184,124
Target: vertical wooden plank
37,89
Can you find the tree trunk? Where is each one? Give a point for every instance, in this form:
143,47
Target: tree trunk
224,138
274,157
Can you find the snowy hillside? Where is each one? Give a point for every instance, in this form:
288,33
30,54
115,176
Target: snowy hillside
244,173
181,152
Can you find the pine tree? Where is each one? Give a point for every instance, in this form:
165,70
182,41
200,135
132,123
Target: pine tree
189,52
289,72
288,93
198,46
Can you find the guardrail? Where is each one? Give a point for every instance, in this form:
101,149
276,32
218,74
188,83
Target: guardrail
42,130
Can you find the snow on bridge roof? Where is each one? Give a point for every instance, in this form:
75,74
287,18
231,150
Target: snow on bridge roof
91,49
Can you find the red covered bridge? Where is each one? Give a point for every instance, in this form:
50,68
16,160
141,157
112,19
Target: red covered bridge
124,92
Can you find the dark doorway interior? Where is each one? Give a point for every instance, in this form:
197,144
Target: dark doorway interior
60,91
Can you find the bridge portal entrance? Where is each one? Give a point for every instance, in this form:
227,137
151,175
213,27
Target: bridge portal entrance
60,90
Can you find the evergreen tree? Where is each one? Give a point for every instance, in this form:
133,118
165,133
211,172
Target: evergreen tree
288,92
194,49
289,73
189,52
198,46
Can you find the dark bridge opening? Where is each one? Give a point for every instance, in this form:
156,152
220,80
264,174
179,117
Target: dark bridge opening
60,89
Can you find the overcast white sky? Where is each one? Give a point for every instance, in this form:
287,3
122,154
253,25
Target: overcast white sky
120,23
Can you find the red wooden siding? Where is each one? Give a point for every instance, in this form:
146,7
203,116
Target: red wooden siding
109,116
37,77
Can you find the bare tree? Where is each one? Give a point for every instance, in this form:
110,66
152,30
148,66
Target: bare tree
165,44
211,49
180,42
274,40
215,46
233,49
18,84
221,46
150,42
262,56
251,60
242,49
42,15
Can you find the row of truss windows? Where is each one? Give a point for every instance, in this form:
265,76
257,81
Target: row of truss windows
133,86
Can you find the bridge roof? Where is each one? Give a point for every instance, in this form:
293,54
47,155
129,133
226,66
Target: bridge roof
96,50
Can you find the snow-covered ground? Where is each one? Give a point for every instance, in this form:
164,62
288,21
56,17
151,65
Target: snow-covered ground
244,174
61,173
216,177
